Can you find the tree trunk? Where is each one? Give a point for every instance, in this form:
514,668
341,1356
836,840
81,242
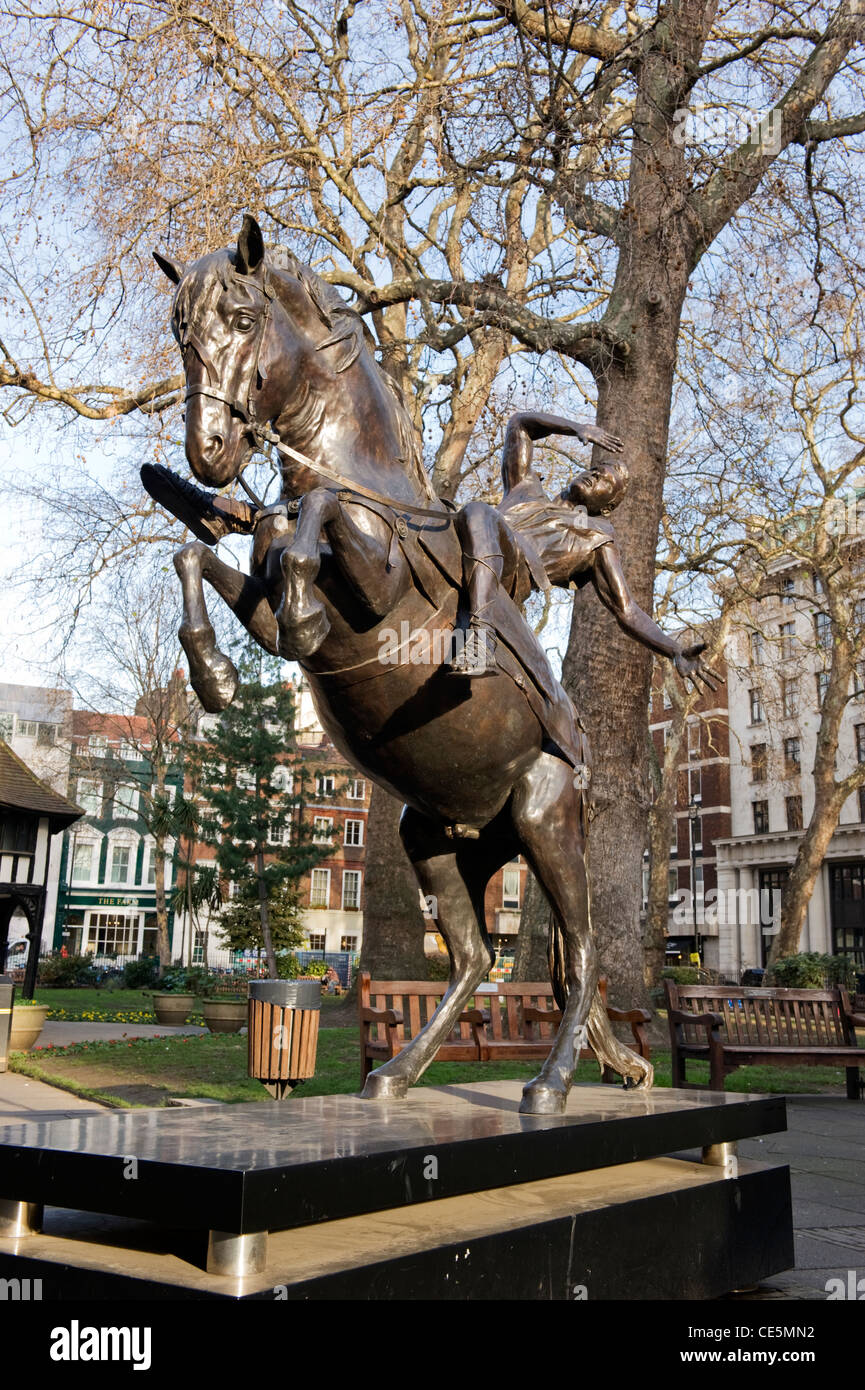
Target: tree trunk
163,940
662,820
531,961
393,926
264,912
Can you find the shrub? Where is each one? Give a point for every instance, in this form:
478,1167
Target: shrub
181,979
289,967
141,974
810,970
65,972
682,974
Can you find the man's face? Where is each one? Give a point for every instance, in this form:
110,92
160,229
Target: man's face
595,490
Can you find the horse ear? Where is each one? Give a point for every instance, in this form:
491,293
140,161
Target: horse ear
171,268
250,246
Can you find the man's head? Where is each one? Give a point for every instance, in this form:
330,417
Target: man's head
600,489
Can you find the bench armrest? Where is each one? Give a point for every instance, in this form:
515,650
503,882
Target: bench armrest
391,1017
708,1021
542,1015
475,1016
638,1018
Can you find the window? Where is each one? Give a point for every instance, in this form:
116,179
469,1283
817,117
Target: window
348,943
98,742
511,886
667,696
109,933
756,649
27,728
759,761
89,797
787,634
46,735
862,804
859,732
120,864
319,888
823,630
322,827
125,802
82,864
756,706
695,784
357,789
859,614
245,779
316,941
151,865
279,834
673,883
128,753
792,756
859,678
794,812
788,589
282,780
789,696
674,847
324,784
822,686
354,832
818,583
761,817
351,890
694,739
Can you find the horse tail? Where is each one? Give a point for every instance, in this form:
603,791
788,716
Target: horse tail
556,958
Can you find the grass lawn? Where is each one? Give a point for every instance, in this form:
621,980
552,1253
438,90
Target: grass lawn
148,1071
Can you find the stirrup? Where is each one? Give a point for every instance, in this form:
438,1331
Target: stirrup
476,655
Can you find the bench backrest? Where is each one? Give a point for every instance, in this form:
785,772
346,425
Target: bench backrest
765,1017
505,1002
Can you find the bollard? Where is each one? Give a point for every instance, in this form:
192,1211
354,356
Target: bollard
283,1032
7,994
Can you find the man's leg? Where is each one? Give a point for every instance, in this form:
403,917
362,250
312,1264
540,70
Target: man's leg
479,528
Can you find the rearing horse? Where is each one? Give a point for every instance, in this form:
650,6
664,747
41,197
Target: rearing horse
488,768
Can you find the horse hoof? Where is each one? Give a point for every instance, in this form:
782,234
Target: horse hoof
542,1100
379,1087
301,637
213,676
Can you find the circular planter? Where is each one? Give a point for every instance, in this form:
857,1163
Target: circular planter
172,1010
225,1015
27,1023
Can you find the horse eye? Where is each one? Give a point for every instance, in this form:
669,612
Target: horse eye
243,323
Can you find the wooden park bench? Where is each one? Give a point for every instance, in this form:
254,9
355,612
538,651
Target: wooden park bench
732,1027
505,1021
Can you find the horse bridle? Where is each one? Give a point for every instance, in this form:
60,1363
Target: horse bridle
262,434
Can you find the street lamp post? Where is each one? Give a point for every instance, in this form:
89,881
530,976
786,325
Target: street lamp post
693,815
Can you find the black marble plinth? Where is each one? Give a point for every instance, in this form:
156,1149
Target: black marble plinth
256,1167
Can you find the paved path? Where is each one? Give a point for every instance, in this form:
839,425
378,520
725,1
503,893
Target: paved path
22,1098
62,1034
825,1148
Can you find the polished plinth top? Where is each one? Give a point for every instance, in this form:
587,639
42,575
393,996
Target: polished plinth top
261,1165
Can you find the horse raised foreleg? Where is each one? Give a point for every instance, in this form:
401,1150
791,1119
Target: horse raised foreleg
362,558
448,877
212,675
546,816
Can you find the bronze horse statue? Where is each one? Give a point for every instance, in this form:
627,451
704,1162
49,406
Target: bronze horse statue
359,549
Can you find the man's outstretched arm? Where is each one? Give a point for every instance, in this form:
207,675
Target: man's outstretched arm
527,426
613,591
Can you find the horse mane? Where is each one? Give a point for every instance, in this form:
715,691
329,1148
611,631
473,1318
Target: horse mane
346,326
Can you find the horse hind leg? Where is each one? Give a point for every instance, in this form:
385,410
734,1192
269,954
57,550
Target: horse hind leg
545,810
455,879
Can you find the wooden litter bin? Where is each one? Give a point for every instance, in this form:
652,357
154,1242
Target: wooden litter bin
283,1032
7,995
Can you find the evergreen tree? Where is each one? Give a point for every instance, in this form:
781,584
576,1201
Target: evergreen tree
252,794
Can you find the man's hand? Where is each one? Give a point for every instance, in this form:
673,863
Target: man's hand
690,667
593,434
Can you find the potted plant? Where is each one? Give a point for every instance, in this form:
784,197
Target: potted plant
175,1000
28,1019
225,1013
